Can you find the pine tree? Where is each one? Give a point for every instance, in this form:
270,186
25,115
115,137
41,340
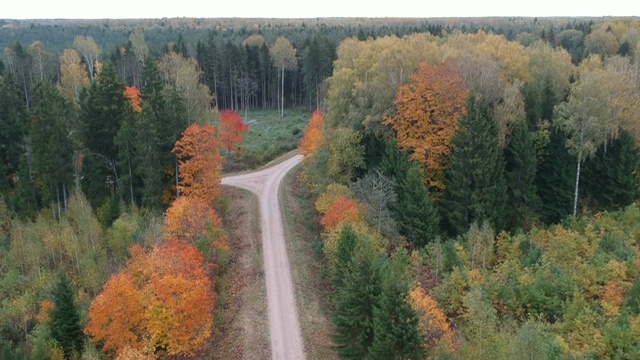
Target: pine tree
356,300
476,187
396,334
521,171
611,178
65,319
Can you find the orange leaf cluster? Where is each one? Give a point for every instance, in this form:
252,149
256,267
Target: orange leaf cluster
133,94
188,217
433,322
313,136
612,298
162,300
45,311
199,162
341,210
427,115
231,131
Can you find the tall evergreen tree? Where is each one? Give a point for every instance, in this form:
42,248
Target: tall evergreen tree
13,129
396,334
157,129
356,300
476,188
51,129
65,319
104,108
521,172
611,178
347,242
555,179
417,217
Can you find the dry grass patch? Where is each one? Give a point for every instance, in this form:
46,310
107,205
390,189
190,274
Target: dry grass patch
242,328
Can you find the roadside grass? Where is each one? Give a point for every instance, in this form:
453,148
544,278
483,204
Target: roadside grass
309,272
268,137
241,328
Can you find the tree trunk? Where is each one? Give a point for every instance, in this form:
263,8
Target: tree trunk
58,195
282,93
64,196
177,178
575,196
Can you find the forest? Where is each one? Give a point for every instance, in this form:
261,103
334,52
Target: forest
474,181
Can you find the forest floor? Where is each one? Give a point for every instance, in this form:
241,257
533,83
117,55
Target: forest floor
310,274
241,327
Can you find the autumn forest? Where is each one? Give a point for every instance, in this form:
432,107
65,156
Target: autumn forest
469,187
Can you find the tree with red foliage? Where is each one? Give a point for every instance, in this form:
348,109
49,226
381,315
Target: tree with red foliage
231,132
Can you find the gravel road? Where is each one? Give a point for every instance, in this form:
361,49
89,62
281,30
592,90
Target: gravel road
284,324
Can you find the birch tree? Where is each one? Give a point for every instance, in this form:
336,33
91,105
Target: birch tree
284,57
90,51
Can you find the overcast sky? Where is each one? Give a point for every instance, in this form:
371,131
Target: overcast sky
83,9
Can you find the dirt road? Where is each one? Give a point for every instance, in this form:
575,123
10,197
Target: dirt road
284,324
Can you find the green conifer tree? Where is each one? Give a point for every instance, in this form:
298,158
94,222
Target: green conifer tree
476,186
521,172
396,334
555,179
417,217
356,300
611,178
65,319
344,251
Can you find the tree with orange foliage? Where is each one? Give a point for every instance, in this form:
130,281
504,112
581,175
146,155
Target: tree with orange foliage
188,217
427,114
313,136
162,300
341,210
118,316
199,162
433,322
231,131
133,94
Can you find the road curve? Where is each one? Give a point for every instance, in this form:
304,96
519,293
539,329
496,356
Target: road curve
284,324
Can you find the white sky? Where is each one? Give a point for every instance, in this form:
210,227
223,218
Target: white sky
83,9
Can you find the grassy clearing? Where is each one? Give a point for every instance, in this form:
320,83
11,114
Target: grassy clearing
241,329
309,272
268,137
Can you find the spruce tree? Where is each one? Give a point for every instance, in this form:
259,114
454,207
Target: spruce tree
53,122
476,186
521,171
65,319
396,334
344,251
417,217
13,128
104,108
555,179
356,299
611,178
